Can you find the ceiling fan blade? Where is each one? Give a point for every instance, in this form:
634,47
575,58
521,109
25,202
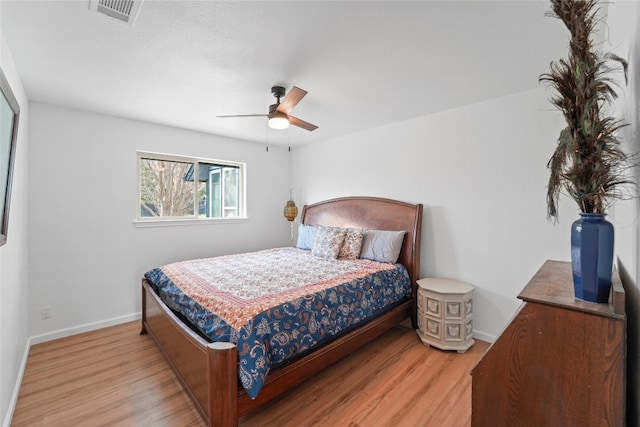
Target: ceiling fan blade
242,115
291,99
302,124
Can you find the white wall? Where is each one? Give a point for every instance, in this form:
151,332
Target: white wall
624,29
86,256
623,24
480,172
14,273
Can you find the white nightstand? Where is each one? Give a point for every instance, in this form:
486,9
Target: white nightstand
445,313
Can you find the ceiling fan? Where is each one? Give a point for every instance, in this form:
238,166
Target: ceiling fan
279,117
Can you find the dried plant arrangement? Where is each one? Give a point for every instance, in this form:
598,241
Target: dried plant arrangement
588,163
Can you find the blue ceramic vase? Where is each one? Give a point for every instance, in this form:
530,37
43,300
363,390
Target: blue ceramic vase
592,257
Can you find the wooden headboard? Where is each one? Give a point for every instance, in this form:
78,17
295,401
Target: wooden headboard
376,214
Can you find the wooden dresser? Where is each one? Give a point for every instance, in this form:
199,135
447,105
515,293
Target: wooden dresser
559,362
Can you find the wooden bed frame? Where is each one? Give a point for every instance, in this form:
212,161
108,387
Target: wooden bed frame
208,371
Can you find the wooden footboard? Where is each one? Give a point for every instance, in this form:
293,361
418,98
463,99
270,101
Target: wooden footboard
207,371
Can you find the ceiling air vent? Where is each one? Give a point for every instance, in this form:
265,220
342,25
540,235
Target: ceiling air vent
121,10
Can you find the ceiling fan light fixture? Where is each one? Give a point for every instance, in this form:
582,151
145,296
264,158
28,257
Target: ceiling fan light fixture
278,116
278,120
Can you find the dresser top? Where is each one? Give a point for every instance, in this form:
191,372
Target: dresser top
553,285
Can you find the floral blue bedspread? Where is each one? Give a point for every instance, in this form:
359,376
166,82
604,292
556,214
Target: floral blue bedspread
278,303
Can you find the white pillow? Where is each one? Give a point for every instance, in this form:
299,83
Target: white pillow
306,234
382,245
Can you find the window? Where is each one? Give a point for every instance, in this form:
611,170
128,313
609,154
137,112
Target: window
176,187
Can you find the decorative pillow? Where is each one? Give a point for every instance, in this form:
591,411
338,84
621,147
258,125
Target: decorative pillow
305,237
327,242
382,245
352,244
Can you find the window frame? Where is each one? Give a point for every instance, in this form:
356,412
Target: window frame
141,221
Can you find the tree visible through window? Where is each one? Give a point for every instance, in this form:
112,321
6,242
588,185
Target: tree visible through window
177,187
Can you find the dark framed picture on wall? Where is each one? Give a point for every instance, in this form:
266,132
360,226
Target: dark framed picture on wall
9,114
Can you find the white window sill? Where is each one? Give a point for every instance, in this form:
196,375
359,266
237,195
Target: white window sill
145,223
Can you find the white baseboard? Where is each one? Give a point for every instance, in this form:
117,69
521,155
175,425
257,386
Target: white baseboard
61,333
16,388
483,336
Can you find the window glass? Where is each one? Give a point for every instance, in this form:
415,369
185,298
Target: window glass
175,187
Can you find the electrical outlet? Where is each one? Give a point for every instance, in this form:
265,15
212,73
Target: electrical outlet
45,313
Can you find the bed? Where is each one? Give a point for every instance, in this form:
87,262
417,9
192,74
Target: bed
209,371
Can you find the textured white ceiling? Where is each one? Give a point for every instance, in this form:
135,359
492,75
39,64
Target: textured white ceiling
365,64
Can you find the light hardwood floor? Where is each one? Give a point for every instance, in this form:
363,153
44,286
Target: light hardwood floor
116,377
